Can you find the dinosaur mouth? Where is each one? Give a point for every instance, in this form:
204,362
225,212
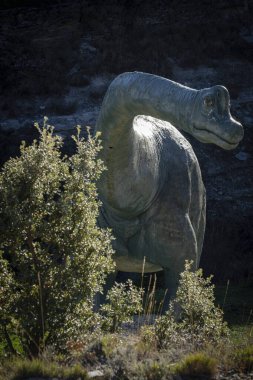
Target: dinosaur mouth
206,136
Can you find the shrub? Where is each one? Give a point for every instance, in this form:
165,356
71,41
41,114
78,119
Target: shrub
153,370
20,369
124,301
7,297
244,359
106,345
55,256
192,316
109,342
148,340
197,365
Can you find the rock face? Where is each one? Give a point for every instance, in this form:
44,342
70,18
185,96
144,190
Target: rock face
58,59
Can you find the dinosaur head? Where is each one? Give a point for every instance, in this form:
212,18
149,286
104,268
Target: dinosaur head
212,121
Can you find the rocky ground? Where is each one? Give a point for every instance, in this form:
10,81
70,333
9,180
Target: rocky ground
57,59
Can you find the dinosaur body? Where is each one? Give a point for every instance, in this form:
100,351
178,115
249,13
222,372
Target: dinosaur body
152,193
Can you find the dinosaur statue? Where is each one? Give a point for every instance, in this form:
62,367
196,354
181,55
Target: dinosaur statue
152,193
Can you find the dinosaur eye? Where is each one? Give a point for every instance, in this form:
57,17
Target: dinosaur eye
208,101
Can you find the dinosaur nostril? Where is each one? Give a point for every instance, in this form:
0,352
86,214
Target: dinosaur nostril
234,131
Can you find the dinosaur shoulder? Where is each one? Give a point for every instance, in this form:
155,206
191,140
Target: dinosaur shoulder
161,140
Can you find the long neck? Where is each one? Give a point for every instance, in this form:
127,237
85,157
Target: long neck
121,187
132,94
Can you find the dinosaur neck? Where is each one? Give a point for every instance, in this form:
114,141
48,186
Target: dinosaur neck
133,94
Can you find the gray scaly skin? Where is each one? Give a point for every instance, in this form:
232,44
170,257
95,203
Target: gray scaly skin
152,193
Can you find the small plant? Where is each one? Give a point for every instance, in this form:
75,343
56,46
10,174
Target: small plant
76,372
244,359
153,370
148,340
196,365
124,301
192,316
108,344
20,369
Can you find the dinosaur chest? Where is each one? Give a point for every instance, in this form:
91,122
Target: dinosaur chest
132,181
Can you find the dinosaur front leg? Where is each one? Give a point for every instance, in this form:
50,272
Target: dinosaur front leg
167,240
181,245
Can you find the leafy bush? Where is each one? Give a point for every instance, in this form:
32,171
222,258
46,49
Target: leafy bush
6,294
55,256
197,365
192,316
124,301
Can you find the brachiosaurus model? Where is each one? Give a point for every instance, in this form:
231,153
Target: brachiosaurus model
152,193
